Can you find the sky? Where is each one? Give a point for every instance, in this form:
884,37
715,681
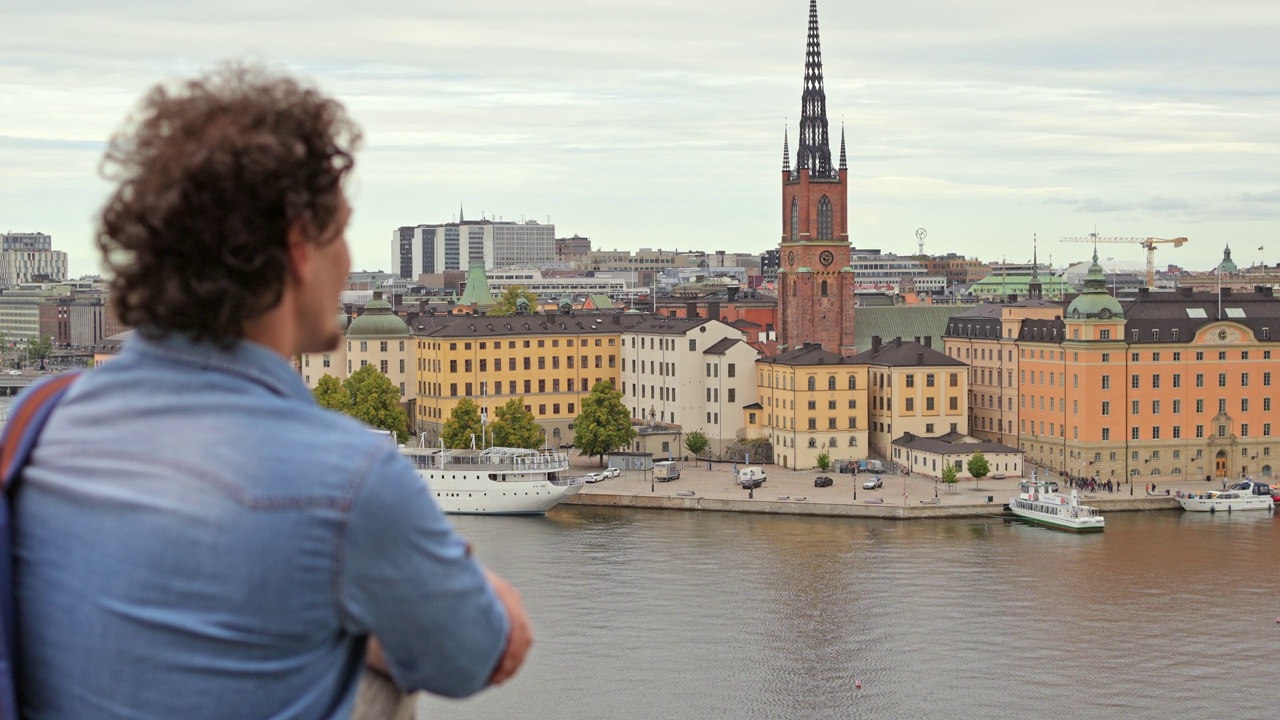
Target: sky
659,123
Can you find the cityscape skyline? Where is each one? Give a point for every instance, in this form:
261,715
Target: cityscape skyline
645,125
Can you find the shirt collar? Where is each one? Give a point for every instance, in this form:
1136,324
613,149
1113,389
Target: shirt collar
244,357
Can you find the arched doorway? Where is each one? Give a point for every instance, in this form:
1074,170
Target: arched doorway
1220,463
1266,471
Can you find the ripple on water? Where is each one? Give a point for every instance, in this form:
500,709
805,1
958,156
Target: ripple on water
703,615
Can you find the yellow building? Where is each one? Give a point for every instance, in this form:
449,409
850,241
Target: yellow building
552,361
913,389
812,401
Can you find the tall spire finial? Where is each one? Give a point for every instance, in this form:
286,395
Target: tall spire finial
460,212
786,151
1035,257
844,162
814,152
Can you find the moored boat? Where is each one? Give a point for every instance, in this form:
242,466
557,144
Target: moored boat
495,480
1039,503
1244,495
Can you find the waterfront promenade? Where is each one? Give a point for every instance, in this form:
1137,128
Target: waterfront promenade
792,492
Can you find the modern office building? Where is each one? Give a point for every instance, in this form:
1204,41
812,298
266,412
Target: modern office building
30,258
433,249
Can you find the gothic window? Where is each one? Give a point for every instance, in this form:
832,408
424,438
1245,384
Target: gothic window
824,288
795,218
824,218
831,382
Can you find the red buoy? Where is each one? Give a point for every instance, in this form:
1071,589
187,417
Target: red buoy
858,683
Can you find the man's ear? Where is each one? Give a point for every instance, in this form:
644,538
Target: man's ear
301,252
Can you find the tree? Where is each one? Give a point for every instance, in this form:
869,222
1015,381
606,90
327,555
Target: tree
376,401
41,347
604,425
978,467
509,299
463,424
330,393
949,476
824,461
515,426
696,442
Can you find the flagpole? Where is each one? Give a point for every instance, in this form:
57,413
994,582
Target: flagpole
1219,291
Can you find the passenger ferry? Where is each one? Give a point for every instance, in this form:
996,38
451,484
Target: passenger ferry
495,480
1245,495
1039,503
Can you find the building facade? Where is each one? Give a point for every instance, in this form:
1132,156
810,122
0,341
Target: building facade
915,389
30,258
815,283
812,401
432,249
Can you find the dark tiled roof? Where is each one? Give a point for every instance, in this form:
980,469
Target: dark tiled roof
722,346
1052,331
900,353
753,406
942,446
745,324
480,326
808,354
1155,316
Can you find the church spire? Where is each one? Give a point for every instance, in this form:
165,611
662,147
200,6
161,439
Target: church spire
844,162
786,151
814,152
460,220
1034,289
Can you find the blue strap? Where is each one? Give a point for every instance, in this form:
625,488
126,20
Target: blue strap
26,419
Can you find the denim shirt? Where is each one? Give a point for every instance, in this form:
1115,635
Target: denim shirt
196,538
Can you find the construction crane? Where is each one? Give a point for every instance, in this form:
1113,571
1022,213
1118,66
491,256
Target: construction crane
1147,242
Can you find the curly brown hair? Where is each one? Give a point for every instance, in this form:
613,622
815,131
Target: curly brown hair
212,174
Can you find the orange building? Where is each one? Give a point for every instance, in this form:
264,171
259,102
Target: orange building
1171,385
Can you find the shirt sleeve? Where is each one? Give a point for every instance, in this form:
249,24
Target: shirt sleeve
408,578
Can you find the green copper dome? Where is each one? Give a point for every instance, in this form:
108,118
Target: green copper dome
1095,303
377,321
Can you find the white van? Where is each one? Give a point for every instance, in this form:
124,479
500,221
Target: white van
665,471
751,475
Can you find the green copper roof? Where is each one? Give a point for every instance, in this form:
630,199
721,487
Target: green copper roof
1227,265
1095,302
477,292
377,320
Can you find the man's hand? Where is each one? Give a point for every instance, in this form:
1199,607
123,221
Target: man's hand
520,635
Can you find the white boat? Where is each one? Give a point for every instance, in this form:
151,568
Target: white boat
1246,495
495,480
1039,503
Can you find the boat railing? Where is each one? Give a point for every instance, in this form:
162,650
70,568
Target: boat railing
568,481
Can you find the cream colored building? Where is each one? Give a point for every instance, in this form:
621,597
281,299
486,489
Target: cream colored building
930,455
695,373
811,402
377,337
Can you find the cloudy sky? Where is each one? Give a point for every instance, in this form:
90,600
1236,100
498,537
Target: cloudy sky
658,123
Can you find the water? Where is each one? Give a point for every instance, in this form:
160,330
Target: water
651,614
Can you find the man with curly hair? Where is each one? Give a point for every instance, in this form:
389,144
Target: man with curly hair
194,537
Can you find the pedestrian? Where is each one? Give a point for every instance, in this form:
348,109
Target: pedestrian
195,537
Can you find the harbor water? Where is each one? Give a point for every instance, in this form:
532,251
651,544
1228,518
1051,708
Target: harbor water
666,614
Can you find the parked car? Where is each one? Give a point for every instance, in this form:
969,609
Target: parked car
15,372
751,483
611,472
823,481
593,477
874,483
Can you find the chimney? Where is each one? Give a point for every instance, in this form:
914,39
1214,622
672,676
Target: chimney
1226,292
1142,291
1187,291
377,294
920,358
1013,297
691,310
875,344
928,341
1266,291
713,310
897,342
732,292
917,339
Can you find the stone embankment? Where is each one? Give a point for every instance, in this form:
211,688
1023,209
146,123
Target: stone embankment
793,493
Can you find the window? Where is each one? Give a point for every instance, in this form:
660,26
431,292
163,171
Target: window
1222,405
542,409
853,382
1199,356
1134,407
1133,435
813,404
813,383
1106,357
1106,407
795,218
1244,429
831,404
824,218
928,380
1104,334
928,404
831,423
1134,383
1155,407
1244,404
1177,407
1199,378
1266,432
1266,377
751,418
1177,433
733,394
911,381
911,405
813,423
364,346
1106,435
732,370
1106,382
1200,406
831,382
1134,356
453,389
1155,382
955,403
1244,379
1266,404
853,404
1177,380
1155,435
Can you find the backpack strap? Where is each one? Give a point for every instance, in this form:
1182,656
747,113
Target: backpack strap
21,433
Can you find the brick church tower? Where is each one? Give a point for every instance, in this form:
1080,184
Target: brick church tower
815,282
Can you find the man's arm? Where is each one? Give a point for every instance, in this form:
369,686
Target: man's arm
408,578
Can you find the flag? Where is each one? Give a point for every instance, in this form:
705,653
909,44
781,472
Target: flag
1260,248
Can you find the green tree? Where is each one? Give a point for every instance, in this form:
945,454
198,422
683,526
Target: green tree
330,393
376,401
824,461
696,442
515,426
507,301
949,476
978,467
462,425
41,347
604,425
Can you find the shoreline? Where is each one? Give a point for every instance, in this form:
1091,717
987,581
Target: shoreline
788,492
